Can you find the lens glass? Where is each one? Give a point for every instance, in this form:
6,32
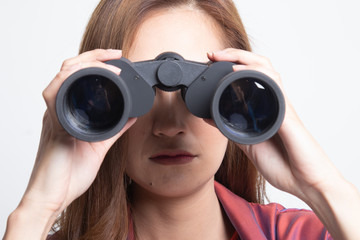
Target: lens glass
95,103
248,107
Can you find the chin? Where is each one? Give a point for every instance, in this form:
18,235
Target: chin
174,187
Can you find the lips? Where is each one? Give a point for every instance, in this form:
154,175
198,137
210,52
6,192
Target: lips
172,157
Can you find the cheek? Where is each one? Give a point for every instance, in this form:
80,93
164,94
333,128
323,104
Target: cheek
137,171
137,136
212,143
210,138
140,128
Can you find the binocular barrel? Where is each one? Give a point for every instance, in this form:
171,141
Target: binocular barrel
94,104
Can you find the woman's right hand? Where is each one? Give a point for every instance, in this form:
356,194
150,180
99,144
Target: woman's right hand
65,167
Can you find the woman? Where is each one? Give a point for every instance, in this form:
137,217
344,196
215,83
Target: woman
155,179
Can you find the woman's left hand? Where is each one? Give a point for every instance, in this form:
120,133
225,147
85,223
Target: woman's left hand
292,160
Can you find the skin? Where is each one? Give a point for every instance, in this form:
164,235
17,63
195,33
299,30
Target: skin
179,197
169,125
175,193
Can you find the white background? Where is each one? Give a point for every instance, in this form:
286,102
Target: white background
313,44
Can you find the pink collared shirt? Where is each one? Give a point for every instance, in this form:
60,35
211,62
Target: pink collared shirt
272,221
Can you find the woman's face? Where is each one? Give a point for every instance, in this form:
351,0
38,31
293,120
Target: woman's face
172,152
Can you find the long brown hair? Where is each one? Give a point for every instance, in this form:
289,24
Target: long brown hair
102,211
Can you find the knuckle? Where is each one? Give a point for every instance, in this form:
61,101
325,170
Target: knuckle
45,94
61,75
66,64
266,61
100,52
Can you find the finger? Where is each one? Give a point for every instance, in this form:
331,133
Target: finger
269,72
52,89
56,83
240,56
290,111
91,56
81,65
109,142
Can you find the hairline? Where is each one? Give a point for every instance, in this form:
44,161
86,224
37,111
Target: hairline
129,39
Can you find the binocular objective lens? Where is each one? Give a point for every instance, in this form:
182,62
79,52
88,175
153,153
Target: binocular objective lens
248,107
95,103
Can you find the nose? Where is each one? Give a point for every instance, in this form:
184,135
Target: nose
169,114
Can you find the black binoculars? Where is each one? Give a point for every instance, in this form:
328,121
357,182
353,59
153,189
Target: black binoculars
94,104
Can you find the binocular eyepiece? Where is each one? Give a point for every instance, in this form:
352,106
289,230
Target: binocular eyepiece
94,104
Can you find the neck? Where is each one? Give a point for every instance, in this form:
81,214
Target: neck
195,216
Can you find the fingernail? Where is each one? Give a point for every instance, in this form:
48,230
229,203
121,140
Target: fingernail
239,67
116,70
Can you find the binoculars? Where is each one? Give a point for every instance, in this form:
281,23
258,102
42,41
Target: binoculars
94,104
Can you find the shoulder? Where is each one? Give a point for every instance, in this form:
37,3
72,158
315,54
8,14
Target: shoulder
275,220
271,221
